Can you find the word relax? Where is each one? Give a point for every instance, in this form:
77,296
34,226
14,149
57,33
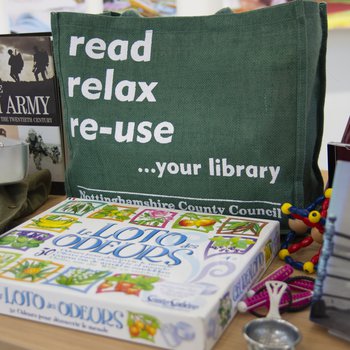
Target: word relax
124,90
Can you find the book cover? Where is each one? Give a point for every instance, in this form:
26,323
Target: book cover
331,301
29,102
151,275
336,151
346,135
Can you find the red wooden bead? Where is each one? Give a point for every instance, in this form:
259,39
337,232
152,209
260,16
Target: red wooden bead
315,258
306,241
294,248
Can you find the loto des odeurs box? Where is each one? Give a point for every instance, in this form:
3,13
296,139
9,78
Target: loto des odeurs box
151,275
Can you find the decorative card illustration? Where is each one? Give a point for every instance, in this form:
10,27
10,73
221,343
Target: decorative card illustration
78,278
239,227
198,222
219,319
175,334
24,239
142,326
31,270
54,223
78,208
7,258
229,245
114,212
225,310
268,250
127,283
143,274
153,217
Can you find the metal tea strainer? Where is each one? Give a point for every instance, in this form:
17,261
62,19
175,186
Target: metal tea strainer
14,156
271,332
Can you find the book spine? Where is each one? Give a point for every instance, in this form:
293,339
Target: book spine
327,250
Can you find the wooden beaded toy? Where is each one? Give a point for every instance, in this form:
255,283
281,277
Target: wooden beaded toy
302,221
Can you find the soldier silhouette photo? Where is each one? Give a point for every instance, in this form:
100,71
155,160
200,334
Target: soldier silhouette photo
41,61
39,149
16,64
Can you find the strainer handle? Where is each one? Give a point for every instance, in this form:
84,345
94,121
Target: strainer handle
275,290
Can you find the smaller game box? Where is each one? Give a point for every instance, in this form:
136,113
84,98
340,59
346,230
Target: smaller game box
155,276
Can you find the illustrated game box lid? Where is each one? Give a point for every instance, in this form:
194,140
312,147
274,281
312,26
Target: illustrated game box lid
157,276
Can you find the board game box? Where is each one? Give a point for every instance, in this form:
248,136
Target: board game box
152,275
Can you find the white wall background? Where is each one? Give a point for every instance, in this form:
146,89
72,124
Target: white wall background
4,19
337,107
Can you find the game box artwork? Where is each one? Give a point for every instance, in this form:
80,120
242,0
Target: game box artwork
151,275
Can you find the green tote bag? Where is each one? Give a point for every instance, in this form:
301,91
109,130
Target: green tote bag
218,114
